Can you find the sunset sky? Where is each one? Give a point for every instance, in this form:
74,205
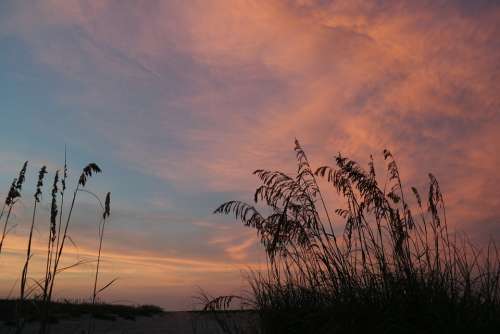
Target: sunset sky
179,101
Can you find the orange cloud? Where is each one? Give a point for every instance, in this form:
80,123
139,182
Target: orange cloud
341,76
134,270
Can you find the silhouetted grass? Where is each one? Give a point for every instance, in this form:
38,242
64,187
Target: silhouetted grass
73,309
10,201
37,296
389,271
105,214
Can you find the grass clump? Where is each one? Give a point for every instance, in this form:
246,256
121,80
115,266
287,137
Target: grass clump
381,263
37,296
68,309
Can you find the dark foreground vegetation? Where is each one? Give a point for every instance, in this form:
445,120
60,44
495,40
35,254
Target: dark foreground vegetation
61,310
35,301
384,262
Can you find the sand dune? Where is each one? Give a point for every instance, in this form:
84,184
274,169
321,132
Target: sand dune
171,322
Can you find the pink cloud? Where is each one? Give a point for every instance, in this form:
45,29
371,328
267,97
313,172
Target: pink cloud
341,76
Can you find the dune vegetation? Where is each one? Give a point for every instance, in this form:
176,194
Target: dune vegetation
35,301
384,262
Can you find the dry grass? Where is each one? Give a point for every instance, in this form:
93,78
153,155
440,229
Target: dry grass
40,292
66,309
389,271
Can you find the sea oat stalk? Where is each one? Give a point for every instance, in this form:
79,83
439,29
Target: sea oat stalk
105,215
11,200
37,197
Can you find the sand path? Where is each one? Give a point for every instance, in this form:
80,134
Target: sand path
172,322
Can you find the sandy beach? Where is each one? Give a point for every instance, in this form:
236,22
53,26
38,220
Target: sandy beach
171,322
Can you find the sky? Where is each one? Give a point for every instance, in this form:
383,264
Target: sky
179,101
